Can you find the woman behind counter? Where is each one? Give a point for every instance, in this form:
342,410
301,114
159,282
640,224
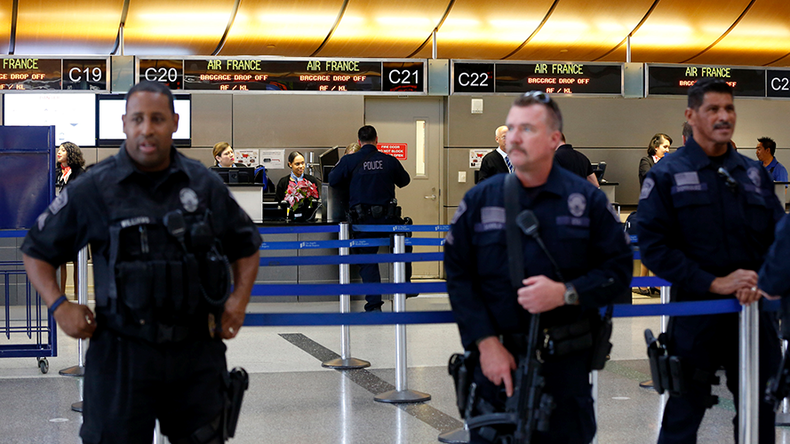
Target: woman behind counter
70,164
296,164
223,156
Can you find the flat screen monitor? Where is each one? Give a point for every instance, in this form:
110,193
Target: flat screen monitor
598,169
235,175
74,115
110,109
329,159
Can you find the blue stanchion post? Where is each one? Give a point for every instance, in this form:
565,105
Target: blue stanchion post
345,362
401,394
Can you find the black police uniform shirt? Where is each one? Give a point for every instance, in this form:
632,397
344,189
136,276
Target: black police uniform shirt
573,161
374,182
579,229
80,214
776,269
694,226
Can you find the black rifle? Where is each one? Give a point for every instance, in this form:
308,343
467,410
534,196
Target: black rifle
529,408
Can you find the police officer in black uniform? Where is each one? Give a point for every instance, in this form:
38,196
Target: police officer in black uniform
706,220
370,177
166,238
773,275
585,239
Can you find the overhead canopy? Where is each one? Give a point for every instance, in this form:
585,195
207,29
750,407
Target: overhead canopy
723,32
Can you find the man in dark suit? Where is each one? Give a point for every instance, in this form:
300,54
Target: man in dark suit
495,162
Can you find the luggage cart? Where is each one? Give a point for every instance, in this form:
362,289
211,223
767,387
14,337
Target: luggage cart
30,319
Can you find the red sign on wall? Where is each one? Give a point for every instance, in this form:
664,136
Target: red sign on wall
397,150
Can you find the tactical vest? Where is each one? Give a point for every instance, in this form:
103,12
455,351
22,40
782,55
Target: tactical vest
168,279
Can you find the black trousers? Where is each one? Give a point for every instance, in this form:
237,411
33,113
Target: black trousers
130,383
707,343
370,273
572,420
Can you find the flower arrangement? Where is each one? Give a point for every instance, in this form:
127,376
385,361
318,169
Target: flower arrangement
300,193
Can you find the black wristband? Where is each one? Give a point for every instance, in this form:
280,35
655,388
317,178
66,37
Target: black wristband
57,303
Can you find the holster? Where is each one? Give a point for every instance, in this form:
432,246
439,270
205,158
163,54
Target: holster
669,372
602,345
461,367
236,384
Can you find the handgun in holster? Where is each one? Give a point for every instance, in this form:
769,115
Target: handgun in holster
237,382
670,374
461,367
779,386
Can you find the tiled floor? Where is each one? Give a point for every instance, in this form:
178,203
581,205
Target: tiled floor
292,399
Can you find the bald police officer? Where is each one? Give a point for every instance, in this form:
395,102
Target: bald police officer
370,177
162,229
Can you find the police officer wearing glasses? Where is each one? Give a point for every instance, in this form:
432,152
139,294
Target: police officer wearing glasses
706,219
167,238
586,264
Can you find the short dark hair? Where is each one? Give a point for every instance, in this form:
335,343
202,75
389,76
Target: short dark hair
696,94
655,142
768,144
153,87
688,132
530,98
367,134
292,156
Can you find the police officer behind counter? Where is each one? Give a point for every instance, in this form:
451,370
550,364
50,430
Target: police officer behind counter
706,220
162,229
370,177
579,231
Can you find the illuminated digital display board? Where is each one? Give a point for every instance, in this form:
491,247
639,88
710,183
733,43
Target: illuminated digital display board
676,80
777,83
251,74
553,78
35,73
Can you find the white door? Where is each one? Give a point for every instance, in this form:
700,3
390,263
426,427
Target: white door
417,122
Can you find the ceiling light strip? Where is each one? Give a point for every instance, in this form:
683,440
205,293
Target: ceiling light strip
436,29
334,27
232,19
540,26
734,24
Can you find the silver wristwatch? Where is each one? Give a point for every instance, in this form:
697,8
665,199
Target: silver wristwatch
570,296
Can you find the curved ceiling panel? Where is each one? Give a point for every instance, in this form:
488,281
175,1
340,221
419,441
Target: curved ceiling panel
384,28
5,25
74,27
292,29
766,26
580,30
678,30
173,27
475,29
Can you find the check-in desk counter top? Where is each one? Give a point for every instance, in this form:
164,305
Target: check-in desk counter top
250,198
305,274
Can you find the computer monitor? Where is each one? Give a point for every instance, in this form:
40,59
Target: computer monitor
235,175
329,159
598,169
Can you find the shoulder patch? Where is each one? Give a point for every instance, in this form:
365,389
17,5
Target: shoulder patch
459,212
647,187
61,201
